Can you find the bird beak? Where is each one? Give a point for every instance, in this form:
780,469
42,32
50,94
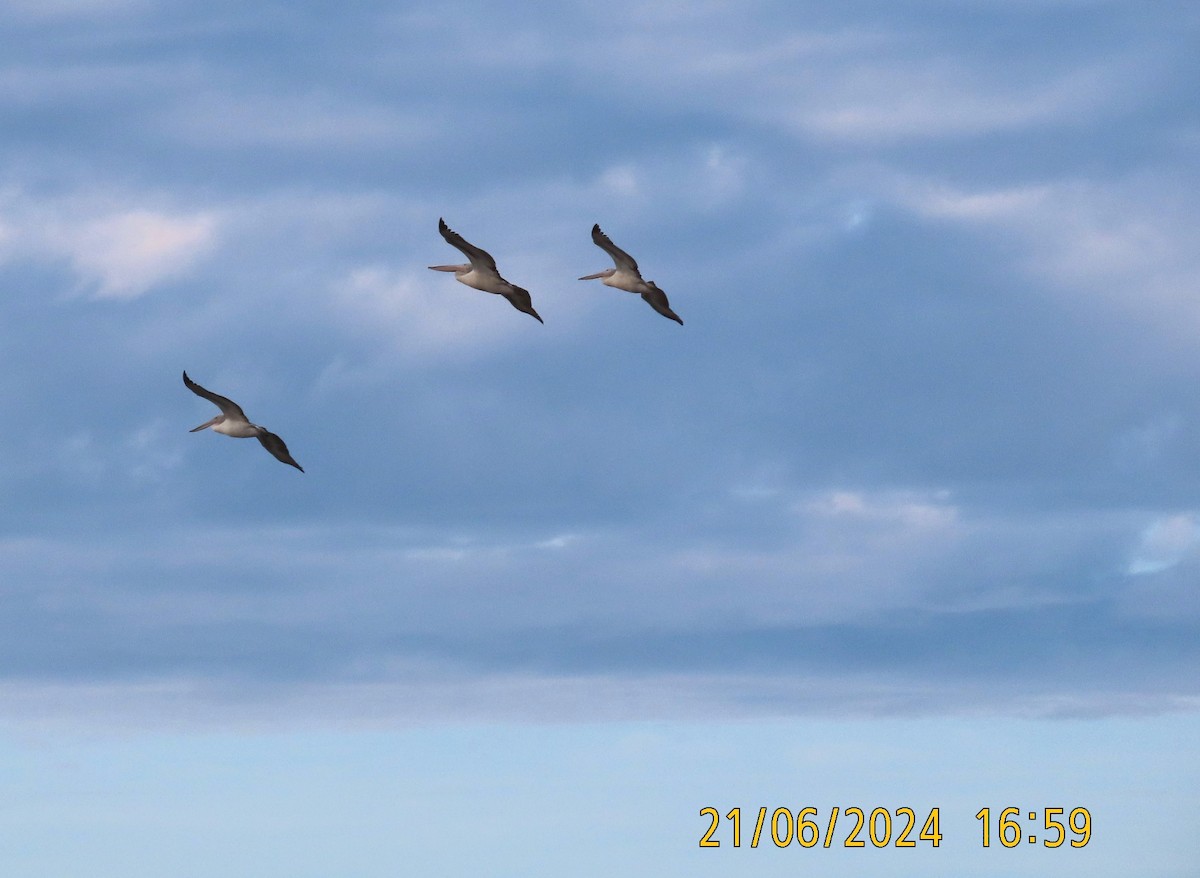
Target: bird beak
594,276
205,424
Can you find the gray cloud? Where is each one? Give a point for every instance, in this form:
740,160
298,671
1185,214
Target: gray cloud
924,443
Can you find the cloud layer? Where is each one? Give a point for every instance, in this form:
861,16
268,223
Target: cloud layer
925,442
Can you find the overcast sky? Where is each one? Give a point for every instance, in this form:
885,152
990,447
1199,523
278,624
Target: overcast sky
925,450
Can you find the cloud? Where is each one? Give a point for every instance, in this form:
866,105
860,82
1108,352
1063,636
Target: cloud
621,180
1163,572
235,119
1165,543
841,580
1119,245
136,457
434,317
864,477
867,80
72,9
870,103
116,251
1149,445
130,252
418,694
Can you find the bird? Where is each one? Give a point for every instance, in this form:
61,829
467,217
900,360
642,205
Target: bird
481,273
233,422
625,276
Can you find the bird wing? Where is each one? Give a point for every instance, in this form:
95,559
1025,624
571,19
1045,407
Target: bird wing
657,300
277,447
521,300
228,407
619,256
479,258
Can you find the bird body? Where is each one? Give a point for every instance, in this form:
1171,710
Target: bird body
233,422
626,276
236,429
481,273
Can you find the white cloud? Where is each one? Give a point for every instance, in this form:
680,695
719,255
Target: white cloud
117,251
1124,245
943,202
859,84
939,99
909,510
130,252
434,316
621,180
695,179
849,553
1165,542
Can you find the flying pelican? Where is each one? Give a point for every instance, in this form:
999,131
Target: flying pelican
233,422
627,277
482,274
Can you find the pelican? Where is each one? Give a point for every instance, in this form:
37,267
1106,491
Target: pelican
233,422
481,273
627,277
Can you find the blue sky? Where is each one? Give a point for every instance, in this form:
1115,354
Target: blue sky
919,472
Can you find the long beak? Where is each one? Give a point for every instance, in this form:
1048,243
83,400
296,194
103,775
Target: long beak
215,420
596,275
447,267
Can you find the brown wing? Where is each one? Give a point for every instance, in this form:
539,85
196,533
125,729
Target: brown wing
619,256
657,300
228,407
277,447
479,258
521,300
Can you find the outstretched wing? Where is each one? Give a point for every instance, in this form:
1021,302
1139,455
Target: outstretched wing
277,447
480,259
520,299
619,256
228,407
657,300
